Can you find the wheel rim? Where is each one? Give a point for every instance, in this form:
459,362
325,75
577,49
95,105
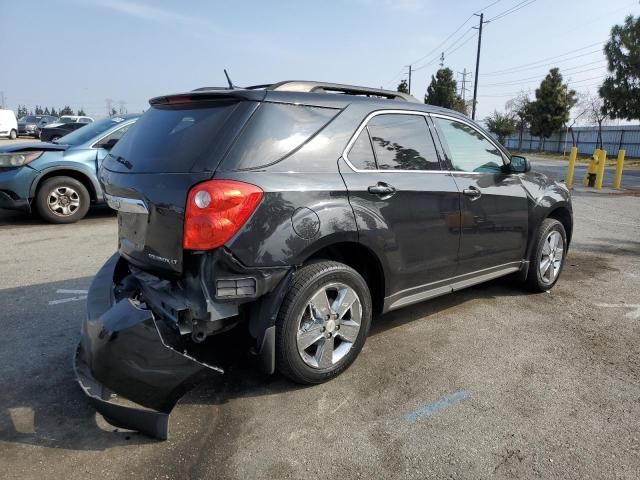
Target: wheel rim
551,257
63,201
329,325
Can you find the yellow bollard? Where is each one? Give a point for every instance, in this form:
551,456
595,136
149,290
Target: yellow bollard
572,166
619,167
601,164
589,175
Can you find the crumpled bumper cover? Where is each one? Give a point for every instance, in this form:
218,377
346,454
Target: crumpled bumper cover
126,357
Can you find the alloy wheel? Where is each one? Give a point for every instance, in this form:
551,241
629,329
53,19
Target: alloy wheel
63,201
329,325
551,257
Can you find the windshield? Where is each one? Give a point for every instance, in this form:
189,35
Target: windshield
89,131
30,119
66,120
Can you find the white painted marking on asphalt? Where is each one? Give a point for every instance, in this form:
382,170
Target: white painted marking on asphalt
635,313
73,291
65,300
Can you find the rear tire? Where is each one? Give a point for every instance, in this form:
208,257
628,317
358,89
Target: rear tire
323,322
62,200
548,256
13,135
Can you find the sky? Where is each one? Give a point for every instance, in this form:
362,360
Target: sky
82,52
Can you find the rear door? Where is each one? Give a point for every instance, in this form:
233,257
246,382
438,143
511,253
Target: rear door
406,204
494,204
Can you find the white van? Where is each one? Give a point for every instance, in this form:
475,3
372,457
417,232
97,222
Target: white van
8,124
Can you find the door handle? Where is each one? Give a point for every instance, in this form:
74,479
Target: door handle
472,192
382,189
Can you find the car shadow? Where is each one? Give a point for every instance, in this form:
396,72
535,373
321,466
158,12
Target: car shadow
15,219
43,405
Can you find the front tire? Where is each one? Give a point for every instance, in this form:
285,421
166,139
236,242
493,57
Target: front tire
548,256
62,200
323,322
13,135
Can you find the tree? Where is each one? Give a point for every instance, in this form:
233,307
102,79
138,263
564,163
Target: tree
46,110
53,112
442,91
81,112
65,111
549,112
113,113
518,108
403,87
501,125
592,107
39,110
621,89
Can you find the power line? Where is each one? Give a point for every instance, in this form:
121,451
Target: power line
537,77
519,67
437,47
511,10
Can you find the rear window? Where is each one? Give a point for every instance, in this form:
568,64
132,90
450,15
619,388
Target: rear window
171,139
275,131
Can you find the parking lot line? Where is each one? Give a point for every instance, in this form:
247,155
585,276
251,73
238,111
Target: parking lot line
435,407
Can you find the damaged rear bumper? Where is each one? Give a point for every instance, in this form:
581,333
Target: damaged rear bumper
132,367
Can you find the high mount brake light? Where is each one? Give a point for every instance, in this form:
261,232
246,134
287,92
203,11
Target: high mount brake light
216,209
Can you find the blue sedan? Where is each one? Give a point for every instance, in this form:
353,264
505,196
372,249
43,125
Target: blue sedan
59,180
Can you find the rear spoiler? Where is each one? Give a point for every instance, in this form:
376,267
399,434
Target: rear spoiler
208,95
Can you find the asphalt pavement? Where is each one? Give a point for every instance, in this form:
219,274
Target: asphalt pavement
489,382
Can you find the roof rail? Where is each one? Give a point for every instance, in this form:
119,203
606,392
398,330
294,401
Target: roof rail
319,87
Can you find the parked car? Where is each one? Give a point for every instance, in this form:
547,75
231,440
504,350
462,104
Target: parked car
58,180
8,124
74,119
296,211
31,124
53,131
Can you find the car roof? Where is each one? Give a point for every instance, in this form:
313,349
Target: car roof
322,94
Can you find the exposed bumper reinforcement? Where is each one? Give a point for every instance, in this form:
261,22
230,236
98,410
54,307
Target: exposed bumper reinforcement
125,352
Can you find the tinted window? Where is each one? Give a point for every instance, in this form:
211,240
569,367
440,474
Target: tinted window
84,120
274,131
117,135
470,151
361,153
172,139
403,142
90,131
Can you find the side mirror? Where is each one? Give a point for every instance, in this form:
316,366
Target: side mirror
520,164
109,144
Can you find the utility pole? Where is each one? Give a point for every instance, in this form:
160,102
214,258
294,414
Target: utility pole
475,83
442,60
2,100
122,110
410,70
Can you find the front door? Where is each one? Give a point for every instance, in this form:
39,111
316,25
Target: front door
494,205
406,204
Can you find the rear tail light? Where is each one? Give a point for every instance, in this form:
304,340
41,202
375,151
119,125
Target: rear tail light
216,210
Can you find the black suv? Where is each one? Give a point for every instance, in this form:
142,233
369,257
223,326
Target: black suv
297,211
